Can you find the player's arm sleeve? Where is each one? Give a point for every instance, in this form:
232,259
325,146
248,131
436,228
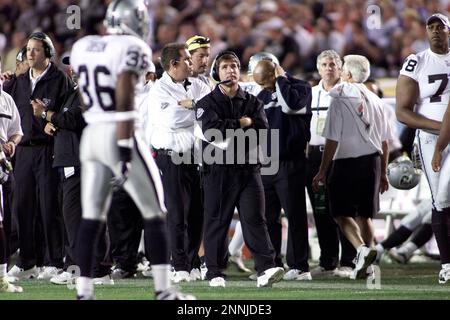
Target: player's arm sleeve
410,67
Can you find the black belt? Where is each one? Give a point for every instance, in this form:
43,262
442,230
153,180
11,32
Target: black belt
168,152
164,152
33,143
317,148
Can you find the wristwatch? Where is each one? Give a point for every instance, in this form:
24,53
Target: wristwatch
44,115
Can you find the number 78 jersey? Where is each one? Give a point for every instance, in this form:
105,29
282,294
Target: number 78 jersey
431,71
98,61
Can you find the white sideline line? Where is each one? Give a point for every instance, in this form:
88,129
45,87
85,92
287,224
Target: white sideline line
360,285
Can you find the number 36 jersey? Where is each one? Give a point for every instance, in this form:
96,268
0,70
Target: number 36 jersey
98,61
431,71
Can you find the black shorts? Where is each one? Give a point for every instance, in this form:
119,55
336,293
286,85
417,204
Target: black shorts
353,186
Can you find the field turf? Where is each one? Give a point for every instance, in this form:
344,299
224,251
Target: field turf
414,281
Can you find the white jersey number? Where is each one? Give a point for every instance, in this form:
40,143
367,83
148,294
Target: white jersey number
136,59
100,91
444,81
411,65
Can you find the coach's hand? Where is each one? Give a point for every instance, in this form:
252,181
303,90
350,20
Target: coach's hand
5,76
187,103
9,148
319,178
38,107
50,129
245,122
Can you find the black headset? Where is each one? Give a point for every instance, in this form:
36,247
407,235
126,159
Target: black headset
49,49
215,65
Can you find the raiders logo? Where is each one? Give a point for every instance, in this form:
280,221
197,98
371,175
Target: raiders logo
200,112
46,102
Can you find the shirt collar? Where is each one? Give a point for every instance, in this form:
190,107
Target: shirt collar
185,84
39,77
240,94
320,84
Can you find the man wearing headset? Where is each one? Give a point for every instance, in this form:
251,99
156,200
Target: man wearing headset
230,182
36,181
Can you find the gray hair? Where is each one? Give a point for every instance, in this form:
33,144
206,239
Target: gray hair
358,66
329,54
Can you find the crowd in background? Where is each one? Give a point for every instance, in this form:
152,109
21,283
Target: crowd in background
295,31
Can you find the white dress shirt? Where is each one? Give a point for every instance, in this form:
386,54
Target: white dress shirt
357,120
173,125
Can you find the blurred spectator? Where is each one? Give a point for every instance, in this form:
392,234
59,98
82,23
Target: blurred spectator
419,34
305,22
212,30
28,20
359,44
18,40
326,37
281,44
390,22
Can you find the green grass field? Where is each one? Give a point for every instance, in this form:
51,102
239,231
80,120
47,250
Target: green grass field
398,282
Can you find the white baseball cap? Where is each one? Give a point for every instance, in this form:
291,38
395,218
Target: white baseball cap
440,17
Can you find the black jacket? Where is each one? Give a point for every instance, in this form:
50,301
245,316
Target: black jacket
288,110
218,111
69,122
52,89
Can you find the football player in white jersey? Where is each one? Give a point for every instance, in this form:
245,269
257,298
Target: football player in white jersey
110,150
422,95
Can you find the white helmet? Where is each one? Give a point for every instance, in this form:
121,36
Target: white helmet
257,57
402,174
127,17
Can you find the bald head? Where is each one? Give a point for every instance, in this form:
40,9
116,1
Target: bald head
264,74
